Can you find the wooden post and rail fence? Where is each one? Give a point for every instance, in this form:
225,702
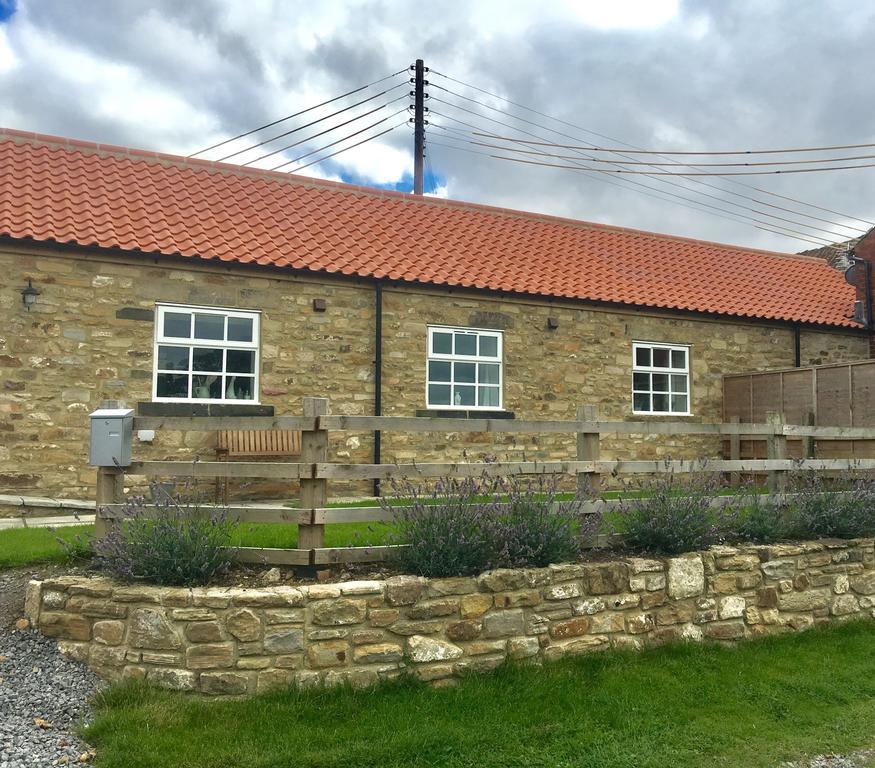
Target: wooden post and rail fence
314,470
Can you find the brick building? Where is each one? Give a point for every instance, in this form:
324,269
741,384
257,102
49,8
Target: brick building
177,284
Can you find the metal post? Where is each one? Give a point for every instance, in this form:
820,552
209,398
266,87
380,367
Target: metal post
418,126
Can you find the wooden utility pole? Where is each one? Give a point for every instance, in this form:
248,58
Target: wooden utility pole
418,125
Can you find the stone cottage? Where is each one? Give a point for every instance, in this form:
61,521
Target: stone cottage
177,284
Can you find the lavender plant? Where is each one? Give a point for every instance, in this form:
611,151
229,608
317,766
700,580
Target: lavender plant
759,519
841,507
464,526
672,514
175,542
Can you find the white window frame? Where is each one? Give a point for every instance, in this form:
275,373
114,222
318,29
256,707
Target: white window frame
161,340
498,360
685,371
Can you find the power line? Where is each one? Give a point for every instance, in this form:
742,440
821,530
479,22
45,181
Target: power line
697,173
334,143
651,163
314,122
297,114
327,130
661,194
632,146
351,146
583,168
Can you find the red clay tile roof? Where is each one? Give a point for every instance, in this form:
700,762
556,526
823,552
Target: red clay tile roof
55,190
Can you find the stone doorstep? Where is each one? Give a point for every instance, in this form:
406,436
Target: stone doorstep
233,642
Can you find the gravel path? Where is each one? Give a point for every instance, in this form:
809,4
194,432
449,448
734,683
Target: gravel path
43,696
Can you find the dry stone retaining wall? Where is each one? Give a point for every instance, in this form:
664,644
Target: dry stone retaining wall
231,641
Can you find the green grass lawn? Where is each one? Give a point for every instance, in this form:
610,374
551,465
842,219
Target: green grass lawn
748,706
31,546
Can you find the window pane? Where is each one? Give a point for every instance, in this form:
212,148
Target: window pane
207,359
172,385
241,361
488,397
679,403
466,344
641,401
488,373
239,387
239,329
206,387
642,356
209,327
660,402
678,358
660,382
678,383
465,372
439,370
438,394
463,396
661,358
641,382
488,346
442,343
177,325
173,358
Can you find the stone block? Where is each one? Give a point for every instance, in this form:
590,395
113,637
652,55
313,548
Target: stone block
244,624
779,569
728,630
502,580
732,607
639,623
283,639
203,632
844,605
804,601
570,628
522,647
332,653
421,649
367,637
527,598
210,656
562,591
430,609
175,679
863,584
332,613
504,623
588,606
149,628
284,616
403,590
66,626
223,683
192,614
408,628
686,576
607,578
458,585
603,623
53,601
382,617
467,629
361,588
380,653
96,607
274,679
474,606
275,597
108,632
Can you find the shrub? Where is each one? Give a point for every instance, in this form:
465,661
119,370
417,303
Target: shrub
670,515
464,526
761,520
176,543
841,507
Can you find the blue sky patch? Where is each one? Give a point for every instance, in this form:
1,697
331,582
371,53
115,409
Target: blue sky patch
404,184
7,8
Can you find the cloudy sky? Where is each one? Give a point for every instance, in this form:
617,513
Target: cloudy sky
180,75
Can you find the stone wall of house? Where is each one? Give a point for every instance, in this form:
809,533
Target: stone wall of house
242,641
89,337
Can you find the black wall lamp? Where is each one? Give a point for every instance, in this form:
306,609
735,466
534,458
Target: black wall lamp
29,294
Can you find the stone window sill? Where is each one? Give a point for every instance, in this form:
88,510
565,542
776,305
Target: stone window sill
202,409
461,413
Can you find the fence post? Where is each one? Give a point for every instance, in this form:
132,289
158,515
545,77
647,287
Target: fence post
776,448
735,451
314,492
588,449
110,490
808,441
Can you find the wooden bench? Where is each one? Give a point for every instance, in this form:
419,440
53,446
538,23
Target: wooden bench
251,444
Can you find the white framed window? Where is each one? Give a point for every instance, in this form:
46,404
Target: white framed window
205,354
464,369
660,378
